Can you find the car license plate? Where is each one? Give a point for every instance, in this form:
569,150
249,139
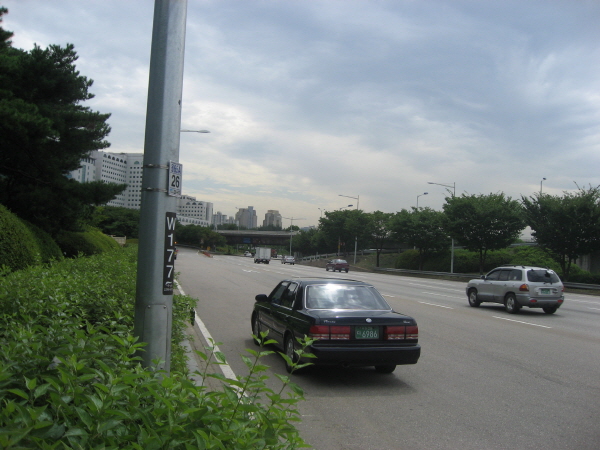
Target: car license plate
366,332
545,291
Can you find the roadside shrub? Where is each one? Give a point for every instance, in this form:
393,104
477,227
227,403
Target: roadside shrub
533,256
47,247
408,260
91,241
578,275
18,247
70,376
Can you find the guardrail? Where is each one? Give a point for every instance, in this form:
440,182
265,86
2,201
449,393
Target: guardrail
471,276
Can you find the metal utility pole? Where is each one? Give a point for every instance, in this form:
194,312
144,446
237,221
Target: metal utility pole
161,180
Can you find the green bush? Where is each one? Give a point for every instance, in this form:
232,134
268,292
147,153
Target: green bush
91,241
70,376
533,256
18,246
48,248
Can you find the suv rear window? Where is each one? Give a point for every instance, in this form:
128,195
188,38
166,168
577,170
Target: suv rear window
542,276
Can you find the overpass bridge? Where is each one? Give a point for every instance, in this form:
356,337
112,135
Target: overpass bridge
257,238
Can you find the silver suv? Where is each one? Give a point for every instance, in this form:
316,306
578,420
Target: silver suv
518,286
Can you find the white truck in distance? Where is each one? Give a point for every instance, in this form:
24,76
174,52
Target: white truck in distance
262,255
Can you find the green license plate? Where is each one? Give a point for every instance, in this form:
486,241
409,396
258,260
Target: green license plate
366,332
545,291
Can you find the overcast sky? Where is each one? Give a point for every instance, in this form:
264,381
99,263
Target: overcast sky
309,99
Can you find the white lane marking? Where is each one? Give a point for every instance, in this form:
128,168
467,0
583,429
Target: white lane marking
225,368
441,295
580,301
439,306
597,309
520,321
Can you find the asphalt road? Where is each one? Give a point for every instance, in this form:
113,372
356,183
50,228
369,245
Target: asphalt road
486,379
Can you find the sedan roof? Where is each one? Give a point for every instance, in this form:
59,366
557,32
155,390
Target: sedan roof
319,280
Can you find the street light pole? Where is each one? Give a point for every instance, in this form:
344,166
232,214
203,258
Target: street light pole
420,195
357,198
453,186
194,131
291,228
156,253
543,179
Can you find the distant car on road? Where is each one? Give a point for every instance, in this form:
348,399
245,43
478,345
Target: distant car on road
337,264
352,323
248,254
288,260
518,286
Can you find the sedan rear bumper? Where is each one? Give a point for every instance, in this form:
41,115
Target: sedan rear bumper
365,356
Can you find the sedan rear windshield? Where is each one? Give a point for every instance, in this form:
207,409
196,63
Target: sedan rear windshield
542,276
337,296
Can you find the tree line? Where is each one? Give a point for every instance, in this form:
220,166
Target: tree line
566,227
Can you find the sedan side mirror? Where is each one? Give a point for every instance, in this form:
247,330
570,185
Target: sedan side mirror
483,277
261,298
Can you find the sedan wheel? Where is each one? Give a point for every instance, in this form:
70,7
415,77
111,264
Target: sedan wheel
386,368
511,305
255,329
289,351
550,309
473,298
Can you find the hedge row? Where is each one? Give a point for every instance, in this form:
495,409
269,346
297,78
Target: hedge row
70,375
468,262
23,245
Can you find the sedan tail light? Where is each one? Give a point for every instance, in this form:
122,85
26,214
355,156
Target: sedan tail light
329,332
412,332
394,333
319,332
338,332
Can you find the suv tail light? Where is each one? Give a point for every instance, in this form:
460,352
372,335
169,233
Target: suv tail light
523,288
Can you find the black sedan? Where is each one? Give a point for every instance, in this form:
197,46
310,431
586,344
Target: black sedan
352,322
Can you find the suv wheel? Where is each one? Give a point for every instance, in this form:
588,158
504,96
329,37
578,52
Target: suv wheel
511,305
550,309
473,298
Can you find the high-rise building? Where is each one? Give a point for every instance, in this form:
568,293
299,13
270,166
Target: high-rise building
120,168
221,219
126,168
246,217
273,218
190,208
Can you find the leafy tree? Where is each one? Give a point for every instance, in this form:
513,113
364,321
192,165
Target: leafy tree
422,228
483,222
341,228
198,236
117,221
304,241
566,227
380,231
44,134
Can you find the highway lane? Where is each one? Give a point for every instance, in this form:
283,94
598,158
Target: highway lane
486,379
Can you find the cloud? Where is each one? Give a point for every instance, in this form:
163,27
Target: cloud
309,100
